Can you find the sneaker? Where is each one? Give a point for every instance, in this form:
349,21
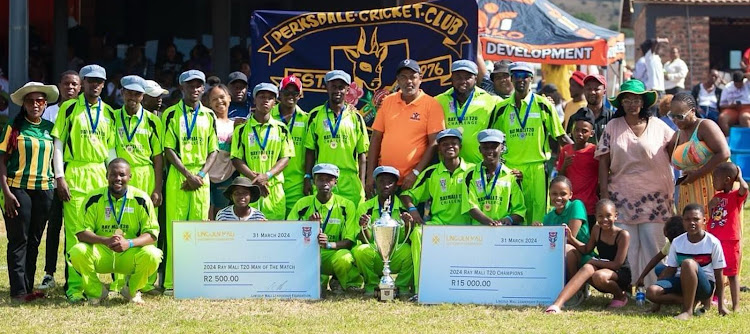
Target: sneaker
104,296
169,292
48,282
137,299
586,291
125,293
414,298
335,286
75,299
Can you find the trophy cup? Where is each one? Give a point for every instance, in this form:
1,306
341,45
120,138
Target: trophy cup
385,232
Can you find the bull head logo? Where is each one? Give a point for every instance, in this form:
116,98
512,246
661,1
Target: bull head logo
368,61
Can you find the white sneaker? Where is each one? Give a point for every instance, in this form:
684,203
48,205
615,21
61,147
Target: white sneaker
48,282
137,299
169,292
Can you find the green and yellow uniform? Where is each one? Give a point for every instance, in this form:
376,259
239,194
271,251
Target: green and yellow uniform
369,261
192,150
294,173
101,217
35,145
339,222
87,133
342,150
138,141
260,146
446,190
528,130
469,120
503,199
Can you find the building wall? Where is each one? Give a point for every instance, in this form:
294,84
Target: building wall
691,38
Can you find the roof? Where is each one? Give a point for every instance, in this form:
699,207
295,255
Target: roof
696,2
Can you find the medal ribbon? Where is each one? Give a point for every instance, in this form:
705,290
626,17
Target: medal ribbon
263,143
128,134
189,127
334,130
528,110
118,219
94,125
454,105
494,181
328,216
294,115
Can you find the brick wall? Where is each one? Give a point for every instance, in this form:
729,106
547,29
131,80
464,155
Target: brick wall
694,46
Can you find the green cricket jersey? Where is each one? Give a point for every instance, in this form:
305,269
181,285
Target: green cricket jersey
297,126
87,131
262,145
476,118
135,212
372,207
497,202
446,190
138,137
338,216
351,137
192,149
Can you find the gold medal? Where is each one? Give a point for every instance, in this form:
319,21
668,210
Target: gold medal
460,129
129,149
188,147
118,232
263,157
334,145
94,139
487,207
522,135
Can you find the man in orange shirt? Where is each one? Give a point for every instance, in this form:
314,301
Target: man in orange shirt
405,128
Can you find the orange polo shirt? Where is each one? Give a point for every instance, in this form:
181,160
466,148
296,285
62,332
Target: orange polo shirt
405,128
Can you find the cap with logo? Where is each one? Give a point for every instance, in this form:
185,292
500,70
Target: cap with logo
291,80
410,64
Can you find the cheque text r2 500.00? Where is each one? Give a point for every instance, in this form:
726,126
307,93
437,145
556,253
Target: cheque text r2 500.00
221,278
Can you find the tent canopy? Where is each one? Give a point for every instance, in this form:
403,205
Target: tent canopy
540,32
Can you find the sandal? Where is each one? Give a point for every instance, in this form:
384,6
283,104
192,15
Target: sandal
616,303
553,309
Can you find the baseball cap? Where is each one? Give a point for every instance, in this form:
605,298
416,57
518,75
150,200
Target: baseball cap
266,87
449,133
385,169
291,80
464,65
521,66
329,169
134,83
192,75
93,71
153,89
598,77
491,135
234,76
502,67
338,75
578,77
410,64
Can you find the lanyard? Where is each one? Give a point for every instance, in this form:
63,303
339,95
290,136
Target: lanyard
190,126
94,125
118,219
283,120
454,106
128,134
328,216
334,130
494,180
263,143
528,109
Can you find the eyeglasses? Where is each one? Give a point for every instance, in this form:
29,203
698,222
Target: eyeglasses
632,102
521,75
678,117
36,101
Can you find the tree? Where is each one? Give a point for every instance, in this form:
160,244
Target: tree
588,17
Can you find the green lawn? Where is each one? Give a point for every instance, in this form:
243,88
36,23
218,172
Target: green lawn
339,314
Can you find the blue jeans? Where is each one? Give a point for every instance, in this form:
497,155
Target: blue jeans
709,113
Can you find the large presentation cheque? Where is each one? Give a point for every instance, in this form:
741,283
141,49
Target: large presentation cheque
514,265
221,260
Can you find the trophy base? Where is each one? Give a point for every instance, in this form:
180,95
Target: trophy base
385,294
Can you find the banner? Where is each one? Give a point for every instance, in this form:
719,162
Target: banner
222,260
367,44
538,31
514,265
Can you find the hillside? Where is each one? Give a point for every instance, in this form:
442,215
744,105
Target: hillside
605,13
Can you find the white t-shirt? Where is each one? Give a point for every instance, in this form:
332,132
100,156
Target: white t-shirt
676,72
706,98
707,253
731,94
654,72
50,113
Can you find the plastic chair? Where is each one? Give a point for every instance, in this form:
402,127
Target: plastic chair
739,140
742,160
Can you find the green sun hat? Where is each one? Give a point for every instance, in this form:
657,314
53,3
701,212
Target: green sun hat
635,87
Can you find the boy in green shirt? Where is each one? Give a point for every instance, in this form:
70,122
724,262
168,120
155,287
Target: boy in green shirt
338,225
368,260
444,184
261,149
117,235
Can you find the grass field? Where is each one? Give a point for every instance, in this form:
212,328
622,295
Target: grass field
345,314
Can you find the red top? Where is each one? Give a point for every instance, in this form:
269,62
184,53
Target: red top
583,174
724,222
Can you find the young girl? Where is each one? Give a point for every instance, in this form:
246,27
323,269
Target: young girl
573,214
610,272
576,162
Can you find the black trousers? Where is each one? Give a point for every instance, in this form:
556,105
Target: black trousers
24,235
54,226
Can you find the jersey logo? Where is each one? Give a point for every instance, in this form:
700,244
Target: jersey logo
443,185
334,221
480,188
414,116
512,118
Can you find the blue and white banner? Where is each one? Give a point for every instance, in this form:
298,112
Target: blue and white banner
514,265
223,260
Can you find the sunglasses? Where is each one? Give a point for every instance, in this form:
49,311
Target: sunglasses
521,75
677,117
36,101
290,93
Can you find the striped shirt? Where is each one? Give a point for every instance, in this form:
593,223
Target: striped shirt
30,164
227,214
